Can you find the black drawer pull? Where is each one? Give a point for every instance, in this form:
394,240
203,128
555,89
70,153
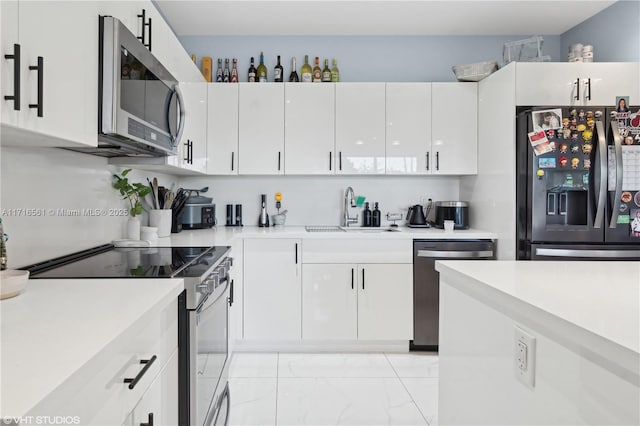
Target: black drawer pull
16,77
149,421
147,364
363,278
40,69
351,278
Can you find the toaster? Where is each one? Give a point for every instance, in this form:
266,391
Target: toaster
199,212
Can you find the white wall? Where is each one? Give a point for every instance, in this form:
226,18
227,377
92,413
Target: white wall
314,200
48,179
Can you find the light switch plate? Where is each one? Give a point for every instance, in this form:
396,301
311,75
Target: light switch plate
524,358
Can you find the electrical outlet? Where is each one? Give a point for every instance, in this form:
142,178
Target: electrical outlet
524,356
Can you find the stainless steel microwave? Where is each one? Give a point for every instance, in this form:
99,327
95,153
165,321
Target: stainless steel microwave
140,112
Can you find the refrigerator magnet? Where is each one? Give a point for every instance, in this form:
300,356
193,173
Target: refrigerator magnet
636,198
575,148
586,148
626,197
574,136
581,115
575,161
566,133
564,147
628,140
587,135
565,123
546,163
586,163
591,124
563,161
623,208
540,143
547,119
581,127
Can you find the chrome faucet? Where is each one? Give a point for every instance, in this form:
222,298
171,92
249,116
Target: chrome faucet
349,201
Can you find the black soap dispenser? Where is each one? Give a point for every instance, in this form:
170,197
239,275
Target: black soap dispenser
366,215
375,216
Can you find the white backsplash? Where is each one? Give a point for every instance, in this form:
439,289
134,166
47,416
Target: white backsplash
318,200
50,180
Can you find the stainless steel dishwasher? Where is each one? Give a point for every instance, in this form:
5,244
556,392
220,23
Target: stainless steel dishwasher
426,282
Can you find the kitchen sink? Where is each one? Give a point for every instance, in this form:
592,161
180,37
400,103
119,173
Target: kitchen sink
348,229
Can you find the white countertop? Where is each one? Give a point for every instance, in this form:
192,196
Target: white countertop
602,298
222,235
55,327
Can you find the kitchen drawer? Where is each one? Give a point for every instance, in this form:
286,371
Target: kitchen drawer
356,251
97,392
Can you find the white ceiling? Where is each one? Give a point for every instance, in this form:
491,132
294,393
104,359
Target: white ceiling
390,17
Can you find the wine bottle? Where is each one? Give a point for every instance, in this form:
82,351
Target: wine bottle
317,72
226,74
219,76
305,71
252,72
293,77
278,72
326,72
261,75
335,73
234,71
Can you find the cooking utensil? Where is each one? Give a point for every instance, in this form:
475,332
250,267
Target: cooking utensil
155,192
153,200
168,199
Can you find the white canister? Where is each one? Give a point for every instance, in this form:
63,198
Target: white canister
587,53
149,233
133,228
161,219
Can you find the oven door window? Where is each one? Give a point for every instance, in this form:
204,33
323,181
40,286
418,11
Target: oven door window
212,349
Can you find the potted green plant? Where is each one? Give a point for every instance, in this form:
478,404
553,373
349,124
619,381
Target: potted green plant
133,193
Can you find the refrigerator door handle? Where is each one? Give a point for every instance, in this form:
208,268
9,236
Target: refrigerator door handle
602,187
617,141
551,203
594,253
562,208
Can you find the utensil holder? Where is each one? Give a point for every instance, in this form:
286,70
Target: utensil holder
161,219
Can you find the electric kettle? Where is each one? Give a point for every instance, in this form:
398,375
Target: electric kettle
416,218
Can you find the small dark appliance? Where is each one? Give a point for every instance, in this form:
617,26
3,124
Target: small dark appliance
416,218
457,211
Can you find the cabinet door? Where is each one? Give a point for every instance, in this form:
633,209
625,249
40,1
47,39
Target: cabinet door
272,287
408,128
454,149
127,12
360,129
309,128
385,302
65,35
159,404
222,129
261,129
194,136
555,84
329,301
608,80
8,72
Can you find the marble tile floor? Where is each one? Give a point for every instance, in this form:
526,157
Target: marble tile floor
334,389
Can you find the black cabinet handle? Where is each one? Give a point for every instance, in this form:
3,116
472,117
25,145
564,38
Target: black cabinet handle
150,32
147,364
363,278
190,152
279,156
340,159
330,158
40,69
577,83
437,160
145,24
186,145
149,421
589,89
231,293
427,161
232,155
16,77
352,272
143,17
296,253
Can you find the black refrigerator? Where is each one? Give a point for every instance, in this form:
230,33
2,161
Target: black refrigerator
578,182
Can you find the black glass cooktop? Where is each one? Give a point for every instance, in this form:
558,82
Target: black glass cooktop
131,262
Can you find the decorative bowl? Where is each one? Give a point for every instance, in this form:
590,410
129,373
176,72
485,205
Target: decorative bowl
12,282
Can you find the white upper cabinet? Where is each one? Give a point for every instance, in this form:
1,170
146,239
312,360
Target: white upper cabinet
58,72
222,129
454,135
408,128
579,84
10,69
194,135
360,128
309,128
261,129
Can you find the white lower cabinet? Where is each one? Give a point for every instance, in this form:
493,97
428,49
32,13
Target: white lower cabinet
272,286
357,301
